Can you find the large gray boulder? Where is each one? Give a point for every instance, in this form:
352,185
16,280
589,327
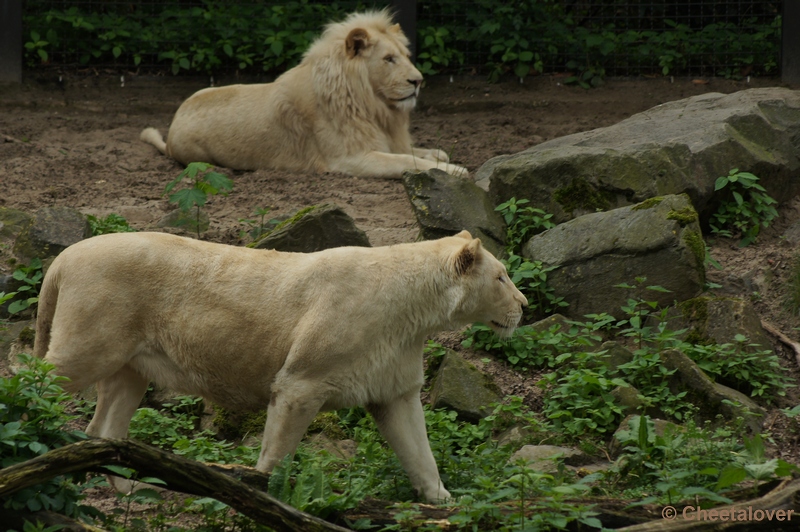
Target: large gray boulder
445,205
658,239
718,320
462,387
314,229
50,232
677,147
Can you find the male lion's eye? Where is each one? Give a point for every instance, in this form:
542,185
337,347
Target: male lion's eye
389,59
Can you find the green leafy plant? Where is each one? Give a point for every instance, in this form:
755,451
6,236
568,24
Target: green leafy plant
113,223
29,277
749,210
437,52
203,183
32,421
257,227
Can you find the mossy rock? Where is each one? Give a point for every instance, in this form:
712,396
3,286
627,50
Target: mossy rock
462,387
314,229
51,231
676,147
592,254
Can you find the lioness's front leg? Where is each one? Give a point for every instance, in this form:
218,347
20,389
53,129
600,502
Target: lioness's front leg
402,423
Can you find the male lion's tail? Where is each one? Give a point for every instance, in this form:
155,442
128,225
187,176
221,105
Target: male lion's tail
46,308
152,136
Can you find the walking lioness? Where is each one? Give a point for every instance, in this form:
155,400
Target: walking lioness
248,329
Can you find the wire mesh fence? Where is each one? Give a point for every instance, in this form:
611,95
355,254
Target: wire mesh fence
590,39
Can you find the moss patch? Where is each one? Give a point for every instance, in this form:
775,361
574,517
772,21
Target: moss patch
696,311
236,425
296,217
27,336
581,194
328,424
685,216
694,241
648,203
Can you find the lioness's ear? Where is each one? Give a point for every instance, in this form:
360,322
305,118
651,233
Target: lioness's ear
468,257
464,234
356,41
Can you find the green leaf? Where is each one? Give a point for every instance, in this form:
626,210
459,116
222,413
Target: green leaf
120,471
188,198
730,476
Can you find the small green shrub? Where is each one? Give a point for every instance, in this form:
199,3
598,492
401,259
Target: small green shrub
203,183
256,228
32,419
747,209
27,295
113,223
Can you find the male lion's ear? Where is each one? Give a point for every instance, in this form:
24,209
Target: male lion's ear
468,257
395,28
464,234
356,41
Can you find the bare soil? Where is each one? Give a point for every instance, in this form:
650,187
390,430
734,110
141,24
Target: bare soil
73,140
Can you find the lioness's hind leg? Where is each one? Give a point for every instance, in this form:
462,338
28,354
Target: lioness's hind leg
290,413
118,397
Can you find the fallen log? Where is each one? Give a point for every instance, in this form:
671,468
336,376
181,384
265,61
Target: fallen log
777,511
179,474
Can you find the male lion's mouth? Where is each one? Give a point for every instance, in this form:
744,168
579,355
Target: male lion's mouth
412,95
500,325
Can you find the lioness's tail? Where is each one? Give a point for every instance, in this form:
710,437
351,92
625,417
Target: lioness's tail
48,296
152,136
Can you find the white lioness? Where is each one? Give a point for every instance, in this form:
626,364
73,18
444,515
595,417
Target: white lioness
344,108
249,329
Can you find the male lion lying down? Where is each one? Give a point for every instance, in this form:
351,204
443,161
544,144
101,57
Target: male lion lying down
344,108
248,328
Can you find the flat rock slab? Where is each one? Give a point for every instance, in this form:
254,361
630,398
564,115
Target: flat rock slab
676,147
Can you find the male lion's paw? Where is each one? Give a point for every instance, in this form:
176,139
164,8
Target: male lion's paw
439,156
458,171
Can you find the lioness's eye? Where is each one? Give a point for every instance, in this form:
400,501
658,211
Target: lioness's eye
389,59
502,278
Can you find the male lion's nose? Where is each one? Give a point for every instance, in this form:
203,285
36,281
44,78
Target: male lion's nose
415,82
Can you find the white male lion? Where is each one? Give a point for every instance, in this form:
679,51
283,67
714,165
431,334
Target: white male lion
344,108
249,329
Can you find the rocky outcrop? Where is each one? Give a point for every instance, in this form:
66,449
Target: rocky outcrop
445,205
717,320
50,232
658,239
676,147
314,229
460,386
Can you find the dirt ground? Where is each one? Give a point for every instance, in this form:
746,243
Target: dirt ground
73,140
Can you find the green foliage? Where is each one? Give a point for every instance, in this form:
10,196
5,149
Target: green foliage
437,52
29,277
199,39
529,276
744,366
203,183
32,419
256,228
516,38
747,208
113,223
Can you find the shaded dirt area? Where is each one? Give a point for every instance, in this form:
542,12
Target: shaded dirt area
74,142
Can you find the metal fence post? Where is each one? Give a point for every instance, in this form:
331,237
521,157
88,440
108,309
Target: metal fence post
10,41
406,16
790,42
